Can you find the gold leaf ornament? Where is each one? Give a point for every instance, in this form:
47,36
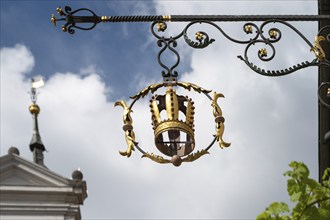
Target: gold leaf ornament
188,86
195,156
219,120
220,129
156,158
317,49
128,127
146,90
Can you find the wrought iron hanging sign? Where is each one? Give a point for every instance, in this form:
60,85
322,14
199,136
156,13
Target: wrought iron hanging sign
174,137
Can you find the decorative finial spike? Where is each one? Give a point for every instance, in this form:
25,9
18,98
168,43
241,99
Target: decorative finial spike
36,145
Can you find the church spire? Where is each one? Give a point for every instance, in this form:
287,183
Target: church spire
36,145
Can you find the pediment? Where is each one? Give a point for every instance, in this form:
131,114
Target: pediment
16,171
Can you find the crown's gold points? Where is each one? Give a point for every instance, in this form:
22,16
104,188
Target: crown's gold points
154,112
34,109
173,135
190,113
172,105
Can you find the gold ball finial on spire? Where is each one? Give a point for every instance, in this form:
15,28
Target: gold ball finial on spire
34,109
37,82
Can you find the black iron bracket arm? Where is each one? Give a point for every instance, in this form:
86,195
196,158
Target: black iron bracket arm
258,33
72,19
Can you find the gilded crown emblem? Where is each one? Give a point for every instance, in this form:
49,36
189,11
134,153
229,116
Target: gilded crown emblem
173,135
172,119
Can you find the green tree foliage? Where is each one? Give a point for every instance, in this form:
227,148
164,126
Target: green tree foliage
311,199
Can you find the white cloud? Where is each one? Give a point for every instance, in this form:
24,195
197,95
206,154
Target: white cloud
15,63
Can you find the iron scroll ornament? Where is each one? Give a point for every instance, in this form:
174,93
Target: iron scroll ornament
71,19
274,36
320,91
202,39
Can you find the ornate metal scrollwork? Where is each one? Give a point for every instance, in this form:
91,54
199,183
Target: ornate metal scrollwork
260,36
203,40
169,74
168,44
275,36
325,85
71,19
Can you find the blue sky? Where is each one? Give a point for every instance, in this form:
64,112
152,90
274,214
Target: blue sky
269,121
62,52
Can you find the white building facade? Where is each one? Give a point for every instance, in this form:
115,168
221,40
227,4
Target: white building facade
31,191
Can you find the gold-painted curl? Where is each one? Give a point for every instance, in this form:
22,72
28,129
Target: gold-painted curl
128,127
188,86
146,90
194,156
317,49
156,158
219,126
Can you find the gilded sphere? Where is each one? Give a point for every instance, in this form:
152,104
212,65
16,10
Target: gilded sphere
176,160
34,109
